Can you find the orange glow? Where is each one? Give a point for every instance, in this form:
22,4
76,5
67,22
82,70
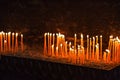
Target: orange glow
78,53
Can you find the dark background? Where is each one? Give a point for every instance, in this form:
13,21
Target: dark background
67,16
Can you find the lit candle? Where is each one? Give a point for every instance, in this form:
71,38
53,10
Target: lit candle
13,42
78,50
48,44
4,41
87,47
90,49
1,39
9,41
22,45
44,43
100,46
53,39
110,42
116,46
57,40
82,40
61,50
107,56
97,52
113,50
93,51
16,43
6,38
96,39
75,38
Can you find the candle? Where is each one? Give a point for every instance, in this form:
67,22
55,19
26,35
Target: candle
87,47
100,46
57,40
5,45
56,51
4,41
110,42
50,44
53,39
13,42
69,46
44,43
75,42
52,50
1,39
16,43
83,55
113,50
82,40
90,49
22,45
107,56
97,52
93,53
61,50
9,41
96,39
66,48
6,38
104,57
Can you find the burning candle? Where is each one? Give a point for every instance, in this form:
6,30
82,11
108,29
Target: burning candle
1,39
107,55
82,40
75,41
53,39
9,41
16,43
110,42
4,41
13,42
96,39
61,50
97,52
100,46
48,44
69,46
44,43
90,49
113,50
6,38
57,40
87,47
22,45
93,53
